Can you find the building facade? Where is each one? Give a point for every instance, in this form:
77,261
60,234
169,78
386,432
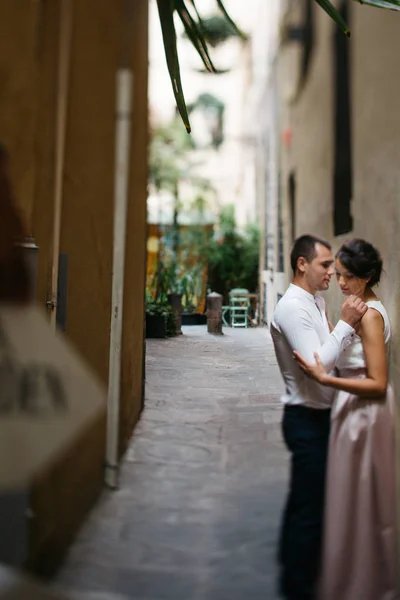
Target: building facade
58,67
338,136
336,140
268,108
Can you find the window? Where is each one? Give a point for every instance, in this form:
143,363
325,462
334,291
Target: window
292,203
281,258
342,176
308,37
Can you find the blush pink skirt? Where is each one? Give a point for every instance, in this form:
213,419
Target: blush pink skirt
359,548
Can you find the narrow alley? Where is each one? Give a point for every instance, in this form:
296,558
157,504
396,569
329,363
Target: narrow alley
202,485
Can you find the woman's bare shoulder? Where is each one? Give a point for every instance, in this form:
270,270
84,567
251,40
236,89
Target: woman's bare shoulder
372,319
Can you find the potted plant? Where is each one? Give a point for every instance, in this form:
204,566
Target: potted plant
160,319
166,287
191,285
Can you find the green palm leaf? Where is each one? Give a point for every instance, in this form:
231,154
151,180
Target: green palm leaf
194,31
388,4
335,14
198,17
239,32
166,12
332,12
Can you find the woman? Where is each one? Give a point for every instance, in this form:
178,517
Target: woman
358,560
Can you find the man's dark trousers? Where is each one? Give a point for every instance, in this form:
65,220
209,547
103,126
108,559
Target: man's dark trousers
306,433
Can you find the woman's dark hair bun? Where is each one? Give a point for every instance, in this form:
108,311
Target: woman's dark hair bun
362,259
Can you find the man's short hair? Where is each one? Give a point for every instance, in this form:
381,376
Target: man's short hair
304,247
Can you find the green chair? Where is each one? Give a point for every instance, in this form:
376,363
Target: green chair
226,309
239,304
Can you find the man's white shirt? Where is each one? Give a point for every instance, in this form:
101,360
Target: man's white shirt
299,323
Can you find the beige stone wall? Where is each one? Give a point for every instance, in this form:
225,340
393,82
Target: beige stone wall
311,122
376,206
375,89
375,86
376,139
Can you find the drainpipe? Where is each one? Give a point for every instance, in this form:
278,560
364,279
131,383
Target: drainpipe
64,58
124,83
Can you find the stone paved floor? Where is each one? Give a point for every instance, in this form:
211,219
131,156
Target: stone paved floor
202,485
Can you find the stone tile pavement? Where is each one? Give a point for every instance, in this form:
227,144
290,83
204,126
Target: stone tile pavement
203,482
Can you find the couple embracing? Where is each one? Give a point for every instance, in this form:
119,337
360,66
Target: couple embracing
338,532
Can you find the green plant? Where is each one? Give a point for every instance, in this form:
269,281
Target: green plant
195,33
176,276
170,164
180,263
161,307
154,307
170,323
233,256
158,285
191,286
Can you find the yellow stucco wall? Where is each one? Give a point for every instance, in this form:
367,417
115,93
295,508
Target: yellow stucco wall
29,33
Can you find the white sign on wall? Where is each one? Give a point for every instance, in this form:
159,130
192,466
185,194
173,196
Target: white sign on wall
47,395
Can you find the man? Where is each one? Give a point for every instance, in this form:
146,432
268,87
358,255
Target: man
300,323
